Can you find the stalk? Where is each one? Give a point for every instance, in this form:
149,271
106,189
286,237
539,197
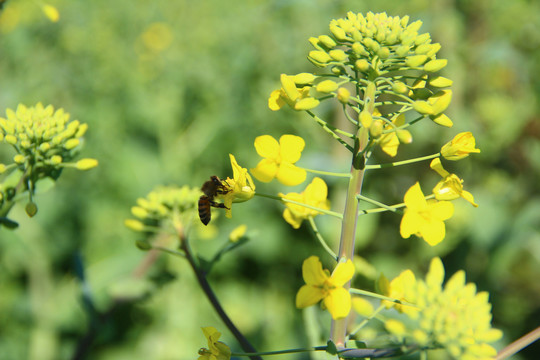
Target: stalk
338,330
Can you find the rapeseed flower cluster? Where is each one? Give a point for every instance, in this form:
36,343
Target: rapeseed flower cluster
455,316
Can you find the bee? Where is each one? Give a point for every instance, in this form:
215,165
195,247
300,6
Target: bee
210,189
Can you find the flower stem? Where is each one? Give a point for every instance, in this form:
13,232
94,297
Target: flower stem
327,212
321,239
335,174
519,344
404,162
205,286
375,202
365,321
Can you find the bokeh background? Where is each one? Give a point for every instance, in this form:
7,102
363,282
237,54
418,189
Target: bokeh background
169,89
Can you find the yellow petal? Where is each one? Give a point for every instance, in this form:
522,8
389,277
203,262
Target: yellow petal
291,218
410,223
469,197
288,85
316,191
267,147
435,275
338,303
312,271
275,102
291,147
441,210
265,171
433,232
414,198
308,295
290,175
343,272
437,166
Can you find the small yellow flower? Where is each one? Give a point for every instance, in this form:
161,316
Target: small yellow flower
296,98
314,195
240,188
423,218
237,233
459,147
279,159
217,350
397,289
451,186
320,285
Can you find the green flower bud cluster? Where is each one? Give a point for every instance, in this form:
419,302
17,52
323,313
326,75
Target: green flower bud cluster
164,206
45,140
454,317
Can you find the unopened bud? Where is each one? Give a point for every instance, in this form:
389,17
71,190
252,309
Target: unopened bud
326,86
362,65
415,60
327,41
338,55
365,118
303,78
435,65
376,128
404,136
86,164
343,95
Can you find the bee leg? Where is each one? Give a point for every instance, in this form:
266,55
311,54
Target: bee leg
218,205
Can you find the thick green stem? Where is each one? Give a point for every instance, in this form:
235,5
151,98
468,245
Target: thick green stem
350,213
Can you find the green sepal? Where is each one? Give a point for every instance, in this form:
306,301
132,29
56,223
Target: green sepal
143,245
359,162
8,223
331,348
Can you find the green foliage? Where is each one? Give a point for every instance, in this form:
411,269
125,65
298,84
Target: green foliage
168,89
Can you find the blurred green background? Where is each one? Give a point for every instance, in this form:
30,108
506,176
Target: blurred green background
169,88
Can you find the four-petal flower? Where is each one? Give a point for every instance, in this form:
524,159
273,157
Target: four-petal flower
279,159
320,285
424,218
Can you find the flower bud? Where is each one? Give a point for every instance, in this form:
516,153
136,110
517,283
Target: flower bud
384,53
303,78
19,159
362,65
343,95
139,212
459,147
306,104
435,65
2,170
359,49
415,60
134,224
319,56
399,87
402,50
365,118
326,86
338,32
327,41
31,209
71,144
422,107
404,136
86,164
338,55
56,159
442,119
422,39
11,139
440,101
440,82
376,128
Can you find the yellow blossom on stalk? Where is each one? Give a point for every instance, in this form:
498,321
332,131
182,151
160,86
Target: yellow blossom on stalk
296,98
314,195
424,218
279,159
451,186
217,350
454,317
390,141
240,188
459,147
397,289
320,285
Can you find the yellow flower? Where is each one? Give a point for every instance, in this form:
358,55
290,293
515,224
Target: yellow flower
239,189
389,142
423,218
451,186
397,289
320,285
279,159
459,147
296,98
216,349
314,195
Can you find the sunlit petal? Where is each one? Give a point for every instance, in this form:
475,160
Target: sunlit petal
265,171
290,175
414,198
308,295
338,303
433,232
312,271
291,148
343,272
267,147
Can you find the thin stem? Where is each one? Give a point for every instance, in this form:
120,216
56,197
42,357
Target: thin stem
327,212
397,206
328,173
280,352
169,251
379,296
519,344
321,239
205,286
375,202
365,321
404,162
333,131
